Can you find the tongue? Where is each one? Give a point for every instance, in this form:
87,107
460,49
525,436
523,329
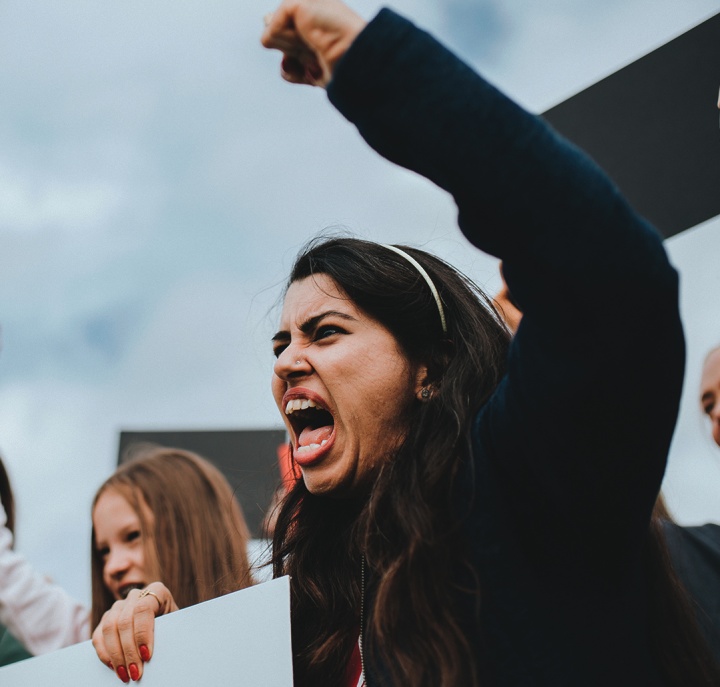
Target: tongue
314,436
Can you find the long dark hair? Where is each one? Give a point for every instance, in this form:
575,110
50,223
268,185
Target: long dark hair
406,524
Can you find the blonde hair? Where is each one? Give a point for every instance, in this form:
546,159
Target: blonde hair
195,541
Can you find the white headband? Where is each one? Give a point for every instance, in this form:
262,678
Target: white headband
426,277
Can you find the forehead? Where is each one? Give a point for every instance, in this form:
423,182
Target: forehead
115,509
312,295
711,370
112,511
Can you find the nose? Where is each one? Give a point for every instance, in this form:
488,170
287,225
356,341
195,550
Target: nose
117,564
292,364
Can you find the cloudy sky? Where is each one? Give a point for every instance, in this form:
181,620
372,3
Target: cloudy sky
157,178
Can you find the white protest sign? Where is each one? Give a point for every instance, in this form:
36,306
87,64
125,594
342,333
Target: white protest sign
239,639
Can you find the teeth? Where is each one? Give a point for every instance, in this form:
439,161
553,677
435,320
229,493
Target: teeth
299,404
310,447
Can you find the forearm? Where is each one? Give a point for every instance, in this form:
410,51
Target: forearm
601,334
523,193
39,613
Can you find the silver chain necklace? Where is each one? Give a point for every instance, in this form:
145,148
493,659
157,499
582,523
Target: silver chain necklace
362,619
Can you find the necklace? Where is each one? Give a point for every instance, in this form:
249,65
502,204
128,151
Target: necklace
362,622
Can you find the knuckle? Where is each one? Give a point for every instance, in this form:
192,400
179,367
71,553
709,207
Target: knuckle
125,623
116,607
107,630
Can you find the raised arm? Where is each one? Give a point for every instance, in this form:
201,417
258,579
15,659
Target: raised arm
582,423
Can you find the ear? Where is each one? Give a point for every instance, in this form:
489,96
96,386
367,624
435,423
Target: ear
422,383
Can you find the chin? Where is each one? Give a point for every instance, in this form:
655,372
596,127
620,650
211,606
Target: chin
325,485
320,487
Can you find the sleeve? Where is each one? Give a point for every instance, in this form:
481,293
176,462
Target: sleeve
40,614
580,427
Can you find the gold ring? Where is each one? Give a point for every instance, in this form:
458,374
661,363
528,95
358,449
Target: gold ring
145,592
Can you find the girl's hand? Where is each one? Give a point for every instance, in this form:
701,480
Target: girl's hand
125,636
312,35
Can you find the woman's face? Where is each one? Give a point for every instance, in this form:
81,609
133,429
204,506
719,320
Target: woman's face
119,542
710,392
343,387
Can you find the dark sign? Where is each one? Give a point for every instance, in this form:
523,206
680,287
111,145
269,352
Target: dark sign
247,458
653,126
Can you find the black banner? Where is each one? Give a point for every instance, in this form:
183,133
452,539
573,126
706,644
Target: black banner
653,126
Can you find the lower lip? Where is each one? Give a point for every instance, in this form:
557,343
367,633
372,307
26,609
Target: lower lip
309,458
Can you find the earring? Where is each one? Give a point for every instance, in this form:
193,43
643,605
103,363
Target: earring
425,393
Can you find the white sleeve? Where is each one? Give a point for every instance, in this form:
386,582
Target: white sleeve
40,614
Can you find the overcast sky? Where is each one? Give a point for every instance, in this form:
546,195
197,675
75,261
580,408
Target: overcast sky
156,179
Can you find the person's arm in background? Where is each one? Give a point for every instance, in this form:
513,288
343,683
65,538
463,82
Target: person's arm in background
39,613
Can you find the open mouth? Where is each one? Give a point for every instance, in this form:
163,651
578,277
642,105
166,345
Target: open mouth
127,588
312,425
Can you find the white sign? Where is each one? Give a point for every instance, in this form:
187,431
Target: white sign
238,639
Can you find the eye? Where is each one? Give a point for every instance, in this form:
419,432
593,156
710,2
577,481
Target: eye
707,408
327,330
103,553
278,349
132,536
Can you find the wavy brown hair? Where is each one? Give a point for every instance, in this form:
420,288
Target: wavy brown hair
195,541
406,527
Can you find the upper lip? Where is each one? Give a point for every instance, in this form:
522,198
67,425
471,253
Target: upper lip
302,392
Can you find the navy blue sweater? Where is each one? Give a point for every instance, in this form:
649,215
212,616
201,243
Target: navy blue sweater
570,451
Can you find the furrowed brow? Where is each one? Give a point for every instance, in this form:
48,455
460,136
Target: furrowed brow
281,336
308,325
312,322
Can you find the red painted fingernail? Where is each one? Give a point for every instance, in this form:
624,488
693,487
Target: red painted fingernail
134,672
122,674
144,653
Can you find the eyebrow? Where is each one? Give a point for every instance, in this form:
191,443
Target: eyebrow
707,395
312,322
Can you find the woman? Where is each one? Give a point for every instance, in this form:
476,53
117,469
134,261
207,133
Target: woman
470,511
166,514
